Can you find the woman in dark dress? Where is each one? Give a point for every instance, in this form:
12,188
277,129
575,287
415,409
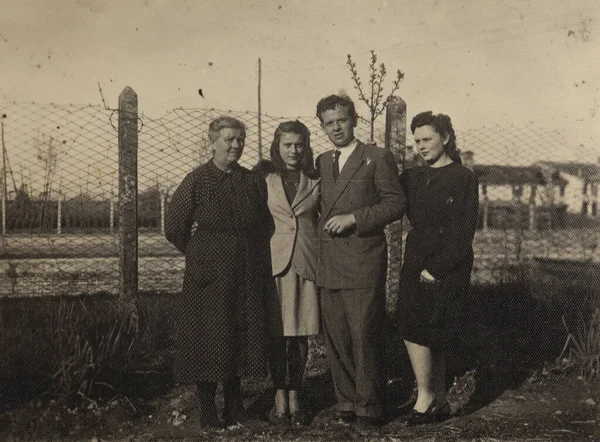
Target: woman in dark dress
442,205
219,218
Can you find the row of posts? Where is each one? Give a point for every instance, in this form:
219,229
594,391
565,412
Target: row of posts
112,204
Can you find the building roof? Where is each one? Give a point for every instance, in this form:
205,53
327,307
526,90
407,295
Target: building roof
514,175
587,171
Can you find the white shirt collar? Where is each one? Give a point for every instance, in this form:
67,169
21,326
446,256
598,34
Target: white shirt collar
345,152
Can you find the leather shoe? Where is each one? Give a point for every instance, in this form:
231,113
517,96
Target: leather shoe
277,419
346,417
299,418
368,423
435,413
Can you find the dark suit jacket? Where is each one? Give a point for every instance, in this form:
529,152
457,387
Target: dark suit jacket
368,186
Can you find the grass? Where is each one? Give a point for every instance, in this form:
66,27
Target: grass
81,346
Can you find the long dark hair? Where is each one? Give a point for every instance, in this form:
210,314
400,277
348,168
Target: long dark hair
277,165
442,124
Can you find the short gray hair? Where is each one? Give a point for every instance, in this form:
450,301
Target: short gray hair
223,122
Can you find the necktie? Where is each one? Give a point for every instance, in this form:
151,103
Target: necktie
336,164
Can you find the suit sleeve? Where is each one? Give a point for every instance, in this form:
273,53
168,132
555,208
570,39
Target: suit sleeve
457,237
179,214
391,203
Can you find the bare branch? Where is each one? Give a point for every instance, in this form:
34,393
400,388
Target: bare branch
395,87
356,79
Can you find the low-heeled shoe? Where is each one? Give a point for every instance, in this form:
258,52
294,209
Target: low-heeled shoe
299,418
435,413
275,418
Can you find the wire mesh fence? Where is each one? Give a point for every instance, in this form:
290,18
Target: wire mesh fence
538,201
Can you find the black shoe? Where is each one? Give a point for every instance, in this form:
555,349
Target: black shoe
236,416
346,417
299,418
233,412
209,417
368,423
280,420
435,413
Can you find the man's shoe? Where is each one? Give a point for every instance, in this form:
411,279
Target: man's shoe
209,417
299,418
346,417
368,423
278,419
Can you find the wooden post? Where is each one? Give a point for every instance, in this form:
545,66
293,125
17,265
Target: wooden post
260,154
128,193
111,225
4,187
395,141
485,208
532,208
163,202
485,213
59,214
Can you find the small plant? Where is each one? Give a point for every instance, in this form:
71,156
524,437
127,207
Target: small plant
374,98
584,346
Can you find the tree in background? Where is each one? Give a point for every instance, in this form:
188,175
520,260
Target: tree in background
374,98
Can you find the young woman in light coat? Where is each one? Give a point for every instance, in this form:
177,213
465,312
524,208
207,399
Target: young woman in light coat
293,311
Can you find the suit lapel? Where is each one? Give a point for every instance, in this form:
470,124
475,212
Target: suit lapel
354,162
279,191
305,188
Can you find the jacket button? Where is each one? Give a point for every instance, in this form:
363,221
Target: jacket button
292,228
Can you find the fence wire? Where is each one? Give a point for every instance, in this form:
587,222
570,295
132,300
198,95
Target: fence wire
538,198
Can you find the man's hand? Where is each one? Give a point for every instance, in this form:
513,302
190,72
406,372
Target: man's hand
339,224
427,278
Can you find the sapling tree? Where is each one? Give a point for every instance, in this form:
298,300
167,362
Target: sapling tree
372,93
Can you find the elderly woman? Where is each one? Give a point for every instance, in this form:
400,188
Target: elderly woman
294,193
219,218
442,209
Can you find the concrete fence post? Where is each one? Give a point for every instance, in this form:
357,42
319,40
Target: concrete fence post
128,202
395,141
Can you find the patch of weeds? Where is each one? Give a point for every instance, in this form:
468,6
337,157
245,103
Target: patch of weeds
82,347
583,346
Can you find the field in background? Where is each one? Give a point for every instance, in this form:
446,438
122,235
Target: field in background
75,264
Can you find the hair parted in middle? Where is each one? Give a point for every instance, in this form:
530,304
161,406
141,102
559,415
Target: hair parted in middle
223,122
333,102
442,124
306,163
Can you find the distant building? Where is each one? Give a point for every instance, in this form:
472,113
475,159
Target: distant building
581,193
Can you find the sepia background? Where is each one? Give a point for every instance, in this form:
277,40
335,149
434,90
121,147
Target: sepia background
520,80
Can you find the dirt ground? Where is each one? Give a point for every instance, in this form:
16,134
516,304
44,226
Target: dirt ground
546,406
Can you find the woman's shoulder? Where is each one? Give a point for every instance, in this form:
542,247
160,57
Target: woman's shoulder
264,168
412,171
463,171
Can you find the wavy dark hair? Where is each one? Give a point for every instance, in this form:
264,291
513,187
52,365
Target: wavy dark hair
332,102
442,124
277,165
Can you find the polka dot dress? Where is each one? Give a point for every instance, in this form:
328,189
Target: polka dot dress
220,220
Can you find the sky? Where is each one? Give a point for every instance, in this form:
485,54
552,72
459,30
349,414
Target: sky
483,62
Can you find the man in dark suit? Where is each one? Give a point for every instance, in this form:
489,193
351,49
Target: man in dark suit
360,195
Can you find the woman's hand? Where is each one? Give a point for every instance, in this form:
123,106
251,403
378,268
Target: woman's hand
427,278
